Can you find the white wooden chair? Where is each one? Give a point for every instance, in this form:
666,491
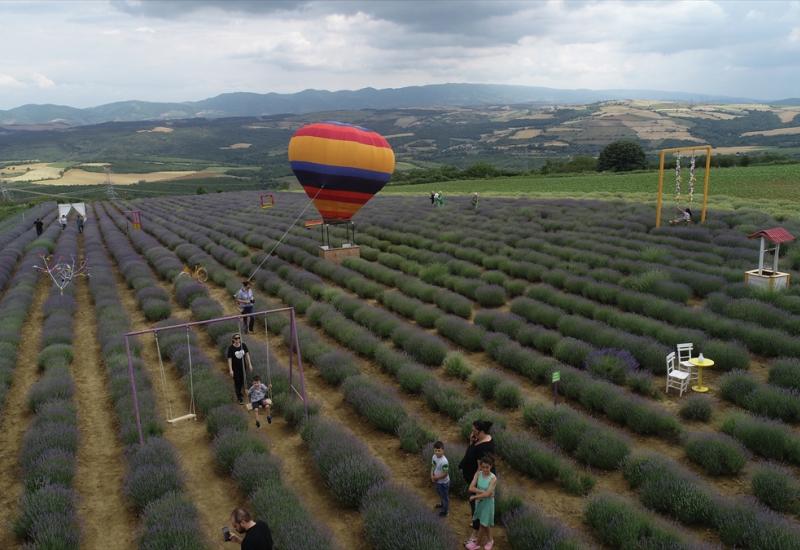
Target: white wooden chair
676,378
684,354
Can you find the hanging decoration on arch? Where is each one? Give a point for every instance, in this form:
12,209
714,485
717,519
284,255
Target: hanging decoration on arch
340,166
678,178
692,178
62,272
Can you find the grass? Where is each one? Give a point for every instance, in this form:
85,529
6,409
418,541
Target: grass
729,187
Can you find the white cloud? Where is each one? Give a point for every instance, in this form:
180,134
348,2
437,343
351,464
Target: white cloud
8,81
99,52
42,81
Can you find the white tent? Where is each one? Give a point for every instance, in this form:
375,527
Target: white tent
65,209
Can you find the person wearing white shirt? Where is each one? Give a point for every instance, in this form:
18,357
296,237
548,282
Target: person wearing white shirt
245,300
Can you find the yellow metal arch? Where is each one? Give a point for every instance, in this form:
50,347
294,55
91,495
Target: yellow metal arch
662,155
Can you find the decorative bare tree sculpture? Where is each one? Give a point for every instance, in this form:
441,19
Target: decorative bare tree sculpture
62,272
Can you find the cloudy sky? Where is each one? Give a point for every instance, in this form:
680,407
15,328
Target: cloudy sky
85,53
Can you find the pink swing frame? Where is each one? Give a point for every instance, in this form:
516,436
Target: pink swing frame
294,349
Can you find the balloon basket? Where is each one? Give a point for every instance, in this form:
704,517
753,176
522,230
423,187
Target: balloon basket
339,254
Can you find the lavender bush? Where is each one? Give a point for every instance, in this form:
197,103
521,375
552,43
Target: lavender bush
763,437
618,524
614,365
717,454
785,372
395,518
345,464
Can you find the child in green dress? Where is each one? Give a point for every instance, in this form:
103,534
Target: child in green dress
482,489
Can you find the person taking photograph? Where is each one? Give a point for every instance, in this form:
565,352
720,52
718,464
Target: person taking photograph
252,535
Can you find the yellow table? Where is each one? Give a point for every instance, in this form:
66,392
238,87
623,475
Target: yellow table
704,364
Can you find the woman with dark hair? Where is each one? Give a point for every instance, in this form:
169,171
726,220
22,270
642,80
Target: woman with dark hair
481,445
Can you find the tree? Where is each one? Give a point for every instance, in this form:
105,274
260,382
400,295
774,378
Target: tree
621,156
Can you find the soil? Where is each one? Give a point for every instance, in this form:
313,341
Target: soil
299,473
15,418
213,494
297,466
100,467
547,496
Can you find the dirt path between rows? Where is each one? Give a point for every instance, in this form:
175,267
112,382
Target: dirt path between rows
296,464
551,499
299,471
213,494
16,417
407,470
107,521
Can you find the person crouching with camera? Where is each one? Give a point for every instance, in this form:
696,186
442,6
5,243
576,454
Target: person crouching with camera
253,535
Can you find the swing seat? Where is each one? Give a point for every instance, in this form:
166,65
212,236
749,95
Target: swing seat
189,416
249,406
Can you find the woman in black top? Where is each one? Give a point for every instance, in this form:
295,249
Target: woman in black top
481,444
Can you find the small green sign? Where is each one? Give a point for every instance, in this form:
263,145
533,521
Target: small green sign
556,376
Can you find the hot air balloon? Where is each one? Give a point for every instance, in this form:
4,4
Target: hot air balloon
340,166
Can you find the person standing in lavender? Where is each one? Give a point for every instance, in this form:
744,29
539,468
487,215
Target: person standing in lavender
440,476
245,299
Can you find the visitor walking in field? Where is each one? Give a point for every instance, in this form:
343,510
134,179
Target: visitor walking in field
253,535
440,476
258,399
482,489
63,221
433,198
480,446
238,358
245,299
475,202
39,225
79,221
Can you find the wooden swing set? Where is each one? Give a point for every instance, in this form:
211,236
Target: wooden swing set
191,414
678,180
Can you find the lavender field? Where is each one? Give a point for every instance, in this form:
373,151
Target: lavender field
449,315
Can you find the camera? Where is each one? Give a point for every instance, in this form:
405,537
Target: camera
226,534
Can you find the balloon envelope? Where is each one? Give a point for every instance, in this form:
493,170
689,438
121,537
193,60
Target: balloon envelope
340,166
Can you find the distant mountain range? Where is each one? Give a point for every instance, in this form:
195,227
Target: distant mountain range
310,101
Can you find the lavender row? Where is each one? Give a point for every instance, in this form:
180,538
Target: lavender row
153,481
366,397
647,420
760,340
151,298
236,451
21,280
350,485
665,487
744,390
414,379
48,506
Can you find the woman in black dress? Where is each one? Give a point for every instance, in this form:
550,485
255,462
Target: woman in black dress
481,444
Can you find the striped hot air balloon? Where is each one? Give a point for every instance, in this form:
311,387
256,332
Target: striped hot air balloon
340,166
